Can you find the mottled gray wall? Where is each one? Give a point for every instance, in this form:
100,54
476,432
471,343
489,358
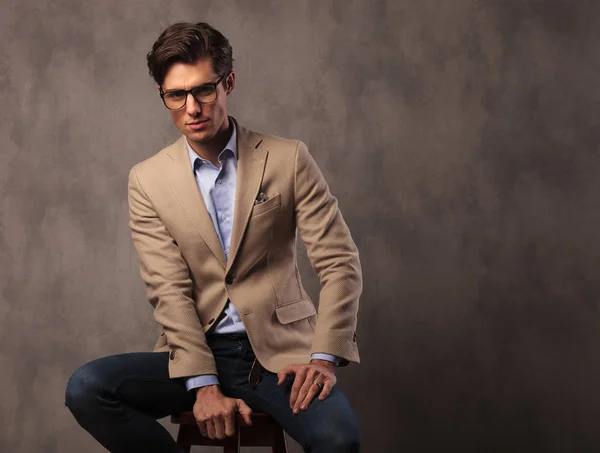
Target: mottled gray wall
461,138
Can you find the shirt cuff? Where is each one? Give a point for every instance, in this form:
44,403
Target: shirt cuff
201,381
328,357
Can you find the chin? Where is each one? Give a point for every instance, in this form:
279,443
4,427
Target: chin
200,136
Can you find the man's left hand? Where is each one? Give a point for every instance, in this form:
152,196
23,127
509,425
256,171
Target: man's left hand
316,378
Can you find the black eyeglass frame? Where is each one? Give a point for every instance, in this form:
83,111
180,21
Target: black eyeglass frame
191,91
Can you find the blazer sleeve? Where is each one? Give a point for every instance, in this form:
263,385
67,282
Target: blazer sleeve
334,257
168,285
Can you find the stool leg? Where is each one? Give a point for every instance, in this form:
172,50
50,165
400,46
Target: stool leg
232,444
180,439
279,442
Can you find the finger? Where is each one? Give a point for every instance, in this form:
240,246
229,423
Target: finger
306,385
245,412
210,429
297,385
327,388
229,422
284,372
219,427
202,428
312,392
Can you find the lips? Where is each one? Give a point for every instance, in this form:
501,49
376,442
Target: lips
197,124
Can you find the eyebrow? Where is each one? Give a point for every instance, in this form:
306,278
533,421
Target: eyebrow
197,86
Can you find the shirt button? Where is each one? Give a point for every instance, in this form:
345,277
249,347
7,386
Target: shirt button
223,217
219,181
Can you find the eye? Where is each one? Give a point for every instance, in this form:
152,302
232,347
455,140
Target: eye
205,90
175,95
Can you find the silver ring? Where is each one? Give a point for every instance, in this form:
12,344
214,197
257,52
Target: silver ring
318,385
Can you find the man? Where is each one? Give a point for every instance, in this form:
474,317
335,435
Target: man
214,219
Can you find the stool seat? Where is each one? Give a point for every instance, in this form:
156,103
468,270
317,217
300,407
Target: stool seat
264,432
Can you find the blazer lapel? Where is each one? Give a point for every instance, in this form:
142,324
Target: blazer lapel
181,178
251,162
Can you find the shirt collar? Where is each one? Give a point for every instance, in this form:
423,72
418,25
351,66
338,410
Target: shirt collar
231,145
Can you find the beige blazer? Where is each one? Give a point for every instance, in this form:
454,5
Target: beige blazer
189,281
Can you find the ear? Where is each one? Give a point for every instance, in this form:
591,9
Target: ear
230,83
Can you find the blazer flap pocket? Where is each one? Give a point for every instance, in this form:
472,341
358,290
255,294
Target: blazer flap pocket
295,311
271,203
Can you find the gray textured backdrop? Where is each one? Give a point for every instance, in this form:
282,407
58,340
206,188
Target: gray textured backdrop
461,138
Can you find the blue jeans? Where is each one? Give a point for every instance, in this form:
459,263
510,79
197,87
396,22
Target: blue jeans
119,398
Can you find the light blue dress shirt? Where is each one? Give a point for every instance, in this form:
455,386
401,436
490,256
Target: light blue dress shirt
217,187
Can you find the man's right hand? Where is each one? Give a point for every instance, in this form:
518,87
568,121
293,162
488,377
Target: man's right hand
215,413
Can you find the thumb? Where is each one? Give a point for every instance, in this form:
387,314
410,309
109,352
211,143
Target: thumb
281,374
245,412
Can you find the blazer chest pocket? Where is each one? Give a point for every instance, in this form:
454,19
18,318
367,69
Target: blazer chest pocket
271,203
295,311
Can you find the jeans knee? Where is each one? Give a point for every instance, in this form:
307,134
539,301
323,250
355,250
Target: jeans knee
82,389
348,443
338,441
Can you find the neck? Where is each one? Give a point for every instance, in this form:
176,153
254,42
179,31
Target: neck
210,149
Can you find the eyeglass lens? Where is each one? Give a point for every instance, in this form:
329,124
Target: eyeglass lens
203,94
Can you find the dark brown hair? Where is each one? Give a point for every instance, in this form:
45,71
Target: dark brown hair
187,43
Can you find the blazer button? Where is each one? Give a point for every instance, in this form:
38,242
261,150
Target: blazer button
228,280
172,355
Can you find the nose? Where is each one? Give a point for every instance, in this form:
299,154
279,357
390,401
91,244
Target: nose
192,107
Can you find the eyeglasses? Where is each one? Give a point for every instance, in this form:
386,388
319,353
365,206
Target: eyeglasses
203,94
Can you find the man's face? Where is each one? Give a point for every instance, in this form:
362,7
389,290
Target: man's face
199,122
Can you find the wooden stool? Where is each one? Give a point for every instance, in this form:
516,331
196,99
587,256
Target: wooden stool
264,432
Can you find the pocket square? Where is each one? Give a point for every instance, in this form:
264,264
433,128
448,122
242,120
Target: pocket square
260,199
